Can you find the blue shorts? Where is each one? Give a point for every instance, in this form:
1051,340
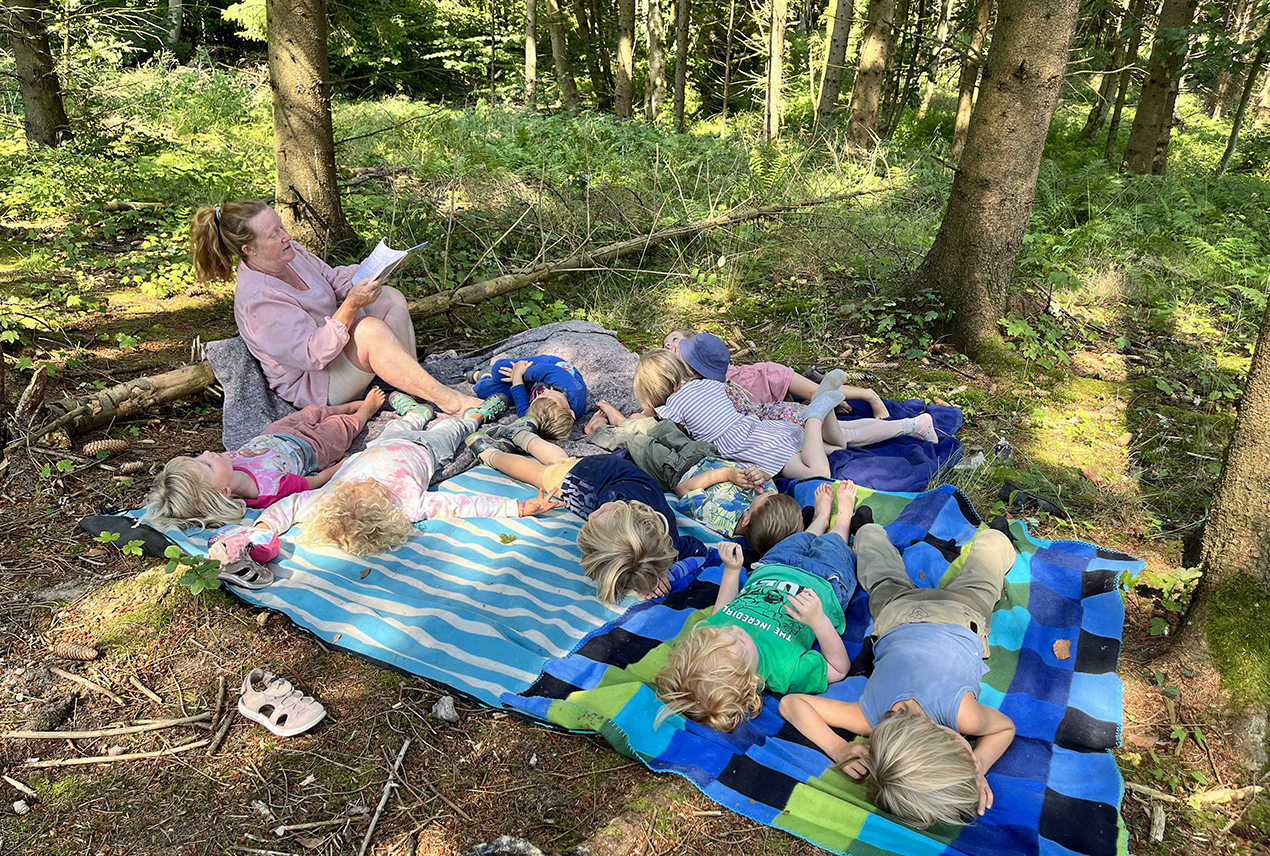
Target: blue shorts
824,556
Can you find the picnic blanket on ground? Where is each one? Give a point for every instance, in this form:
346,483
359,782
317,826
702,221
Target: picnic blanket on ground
476,604
1055,644
903,464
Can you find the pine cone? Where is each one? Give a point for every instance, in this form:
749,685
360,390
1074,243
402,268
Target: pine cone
73,651
115,447
132,467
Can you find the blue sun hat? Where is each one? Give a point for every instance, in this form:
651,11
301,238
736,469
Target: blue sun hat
707,355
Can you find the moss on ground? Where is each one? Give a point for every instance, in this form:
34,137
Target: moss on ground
1239,639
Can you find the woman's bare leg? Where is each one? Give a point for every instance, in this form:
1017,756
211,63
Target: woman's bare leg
374,347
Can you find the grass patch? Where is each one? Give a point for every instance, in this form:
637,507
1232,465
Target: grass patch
1239,639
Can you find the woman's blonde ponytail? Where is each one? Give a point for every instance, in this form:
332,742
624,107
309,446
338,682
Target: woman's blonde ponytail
218,234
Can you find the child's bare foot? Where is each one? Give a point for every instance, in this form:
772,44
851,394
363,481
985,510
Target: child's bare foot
846,506
611,413
370,405
597,421
823,502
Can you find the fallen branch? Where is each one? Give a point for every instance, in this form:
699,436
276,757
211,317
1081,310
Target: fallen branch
21,787
156,725
221,733
383,798
83,681
435,304
122,205
32,397
146,691
1213,797
110,759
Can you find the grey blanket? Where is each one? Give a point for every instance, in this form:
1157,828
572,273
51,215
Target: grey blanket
606,365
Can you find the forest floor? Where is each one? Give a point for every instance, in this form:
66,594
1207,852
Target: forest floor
1115,404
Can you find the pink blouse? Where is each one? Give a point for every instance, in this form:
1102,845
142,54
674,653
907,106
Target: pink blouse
292,332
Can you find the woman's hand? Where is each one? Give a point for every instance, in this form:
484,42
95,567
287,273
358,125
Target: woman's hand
364,293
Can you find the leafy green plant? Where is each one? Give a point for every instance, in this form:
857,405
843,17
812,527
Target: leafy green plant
199,572
1171,590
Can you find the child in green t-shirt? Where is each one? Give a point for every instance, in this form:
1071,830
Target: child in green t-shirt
761,636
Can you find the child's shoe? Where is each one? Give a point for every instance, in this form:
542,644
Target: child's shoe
512,431
480,442
491,408
404,404
474,374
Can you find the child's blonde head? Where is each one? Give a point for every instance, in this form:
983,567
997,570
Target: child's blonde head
183,498
554,418
359,517
776,518
659,375
674,337
626,549
706,682
920,772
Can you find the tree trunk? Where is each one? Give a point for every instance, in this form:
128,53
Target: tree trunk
912,66
838,32
971,60
1237,535
727,68
894,67
560,56
866,92
972,259
1239,20
307,193
1110,75
656,61
625,91
1148,149
775,70
1138,23
683,11
174,22
932,68
43,113
531,52
592,37
1250,83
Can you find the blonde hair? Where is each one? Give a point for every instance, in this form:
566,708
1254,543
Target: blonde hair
706,682
554,418
920,773
183,498
774,521
658,376
626,550
359,517
218,235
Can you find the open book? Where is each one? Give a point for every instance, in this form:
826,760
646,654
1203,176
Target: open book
384,262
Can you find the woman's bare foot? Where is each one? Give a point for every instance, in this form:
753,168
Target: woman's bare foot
370,405
597,421
846,507
457,403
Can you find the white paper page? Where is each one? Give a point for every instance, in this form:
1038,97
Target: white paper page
382,258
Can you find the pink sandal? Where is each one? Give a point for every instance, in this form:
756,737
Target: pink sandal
277,705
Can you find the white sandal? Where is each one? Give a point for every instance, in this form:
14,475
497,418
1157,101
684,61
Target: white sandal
278,706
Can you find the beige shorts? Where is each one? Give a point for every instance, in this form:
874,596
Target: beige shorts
553,477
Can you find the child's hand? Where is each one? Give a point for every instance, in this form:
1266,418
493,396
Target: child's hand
250,453
750,478
515,373
985,793
806,608
851,760
538,505
730,553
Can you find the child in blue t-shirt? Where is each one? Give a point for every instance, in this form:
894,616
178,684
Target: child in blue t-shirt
923,694
548,392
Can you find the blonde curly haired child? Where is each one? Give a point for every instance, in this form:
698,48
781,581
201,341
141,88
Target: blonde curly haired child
297,453
761,636
923,693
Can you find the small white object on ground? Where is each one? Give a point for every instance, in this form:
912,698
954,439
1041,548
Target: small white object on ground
444,709
20,807
974,462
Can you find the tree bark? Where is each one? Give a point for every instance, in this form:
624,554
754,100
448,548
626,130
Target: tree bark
894,67
911,65
43,113
307,192
866,92
596,59
1250,83
656,61
682,14
775,70
973,257
1237,535
838,32
174,21
1147,152
624,92
971,60
727,68
932,67
531,52
1138,23
1239,20
560,56
1110,75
